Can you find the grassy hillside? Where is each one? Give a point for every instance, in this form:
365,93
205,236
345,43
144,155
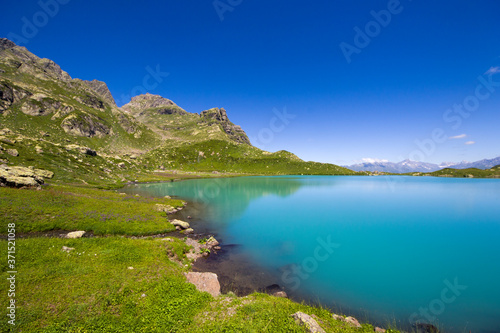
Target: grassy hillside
74,129
467,173
227,156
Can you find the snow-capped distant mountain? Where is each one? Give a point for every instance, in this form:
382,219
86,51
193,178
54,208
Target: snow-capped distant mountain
400,167
482,164
414,166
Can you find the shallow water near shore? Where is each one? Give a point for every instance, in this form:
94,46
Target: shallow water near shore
387,249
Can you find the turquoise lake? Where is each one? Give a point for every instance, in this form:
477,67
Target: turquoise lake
385,249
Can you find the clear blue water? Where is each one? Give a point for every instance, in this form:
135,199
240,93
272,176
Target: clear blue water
387,249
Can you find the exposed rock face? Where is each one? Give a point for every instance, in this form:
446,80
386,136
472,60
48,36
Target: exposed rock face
205,282
82,150
22,177
6,44
39,104
85,125
307,321
90,101
126,123
54,69
102,90
10,95
139,104
234,131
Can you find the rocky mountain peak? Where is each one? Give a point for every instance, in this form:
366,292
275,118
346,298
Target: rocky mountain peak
215,113
139,105
6,44
148,101
102,90
219,115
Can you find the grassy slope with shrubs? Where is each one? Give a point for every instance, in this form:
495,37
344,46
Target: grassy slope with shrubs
476,173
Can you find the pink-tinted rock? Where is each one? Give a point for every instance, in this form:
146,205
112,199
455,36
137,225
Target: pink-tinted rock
205,282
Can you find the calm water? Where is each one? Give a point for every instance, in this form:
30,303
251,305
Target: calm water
386,249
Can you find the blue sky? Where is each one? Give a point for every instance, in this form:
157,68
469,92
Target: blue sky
295,75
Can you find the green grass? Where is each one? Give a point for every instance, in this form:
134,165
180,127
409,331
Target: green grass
476,173
230,157
264,313
72,208
92,289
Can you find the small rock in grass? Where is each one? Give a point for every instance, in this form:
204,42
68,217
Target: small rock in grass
130,267
350,320
75,234
308,322
13,152
67,249
280,294
378,329
353,321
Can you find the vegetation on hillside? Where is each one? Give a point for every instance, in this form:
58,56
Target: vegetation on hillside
467,173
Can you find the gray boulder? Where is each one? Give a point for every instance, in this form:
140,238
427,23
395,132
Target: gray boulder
179,223
307,321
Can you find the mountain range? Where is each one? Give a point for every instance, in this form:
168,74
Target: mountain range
414,166
73,127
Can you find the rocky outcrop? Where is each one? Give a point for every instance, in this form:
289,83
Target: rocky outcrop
6,44
127,124
306,320
102,90
18,176
10,95
206,282
139,104
85,125
200,248
53,69
82,150
39,105
234,132
90,101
